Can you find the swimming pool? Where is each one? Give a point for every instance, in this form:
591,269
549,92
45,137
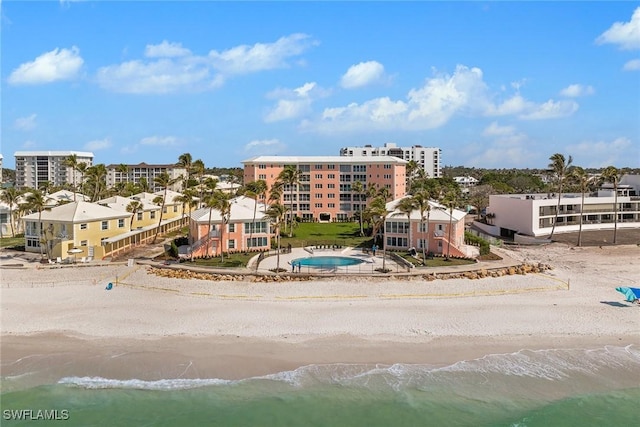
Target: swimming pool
326,261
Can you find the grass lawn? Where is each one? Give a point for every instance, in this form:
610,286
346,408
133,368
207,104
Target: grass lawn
7,242
233,260
436,261
333,233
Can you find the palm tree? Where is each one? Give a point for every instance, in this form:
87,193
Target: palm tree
290,176
198,169
11,196
254,189
406,206
37,202
584,181
559,167
123,170
613,175
143,184
96,179
421,200
186,161
414,172
358,188
223,205
82,168
72,162
450,199
163,181
277,213
134,207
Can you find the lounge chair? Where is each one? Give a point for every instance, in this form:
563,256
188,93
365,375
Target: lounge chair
83,259
59,260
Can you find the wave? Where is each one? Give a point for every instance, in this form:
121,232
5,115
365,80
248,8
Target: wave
617,365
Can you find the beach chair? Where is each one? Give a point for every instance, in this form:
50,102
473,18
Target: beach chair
83,259
59,260
51,261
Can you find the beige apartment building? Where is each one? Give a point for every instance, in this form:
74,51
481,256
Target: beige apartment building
143,170
325,190
35,167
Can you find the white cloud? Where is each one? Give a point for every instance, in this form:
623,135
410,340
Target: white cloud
158,77
98,144
551,110
261,56
58,64
576,90
624,34
434,104
29,144
362,74
494,129
293,103
264,147
597,154
633,65
166,50
171,68
26,123
162,141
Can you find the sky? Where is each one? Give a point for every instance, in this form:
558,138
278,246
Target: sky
493,84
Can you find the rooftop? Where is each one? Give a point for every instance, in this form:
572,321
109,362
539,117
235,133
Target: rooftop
323,159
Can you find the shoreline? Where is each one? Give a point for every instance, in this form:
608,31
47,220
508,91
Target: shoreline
48,357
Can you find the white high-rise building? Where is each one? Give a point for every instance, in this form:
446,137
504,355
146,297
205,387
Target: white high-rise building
146,171
427,157
35,167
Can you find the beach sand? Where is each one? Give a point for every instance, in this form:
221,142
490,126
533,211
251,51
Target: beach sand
62,322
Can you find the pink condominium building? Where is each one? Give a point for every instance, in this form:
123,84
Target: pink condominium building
325,190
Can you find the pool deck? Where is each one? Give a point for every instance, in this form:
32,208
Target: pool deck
368,266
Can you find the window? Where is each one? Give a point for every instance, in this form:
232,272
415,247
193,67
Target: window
164,210
305,206
317,167
359,168
318,195
331,167
387,166
260,227
331,205
397,241
175,208
256,242
152,214
318,205
331,186
232,244
262,166
345,168
121,223
318,176
83,226
304,168
318,185
345,206
331,196
232,228
262,176
139,216
83,243
396,227
105,225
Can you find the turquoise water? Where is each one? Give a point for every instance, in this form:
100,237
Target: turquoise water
327,261
559,388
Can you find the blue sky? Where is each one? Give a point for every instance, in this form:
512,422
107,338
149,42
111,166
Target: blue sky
493,84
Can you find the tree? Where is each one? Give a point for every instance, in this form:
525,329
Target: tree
277,213
36,202
479,197
82,168
613,175
254,190
290,176
11,196
96,180
450,200
221,202
581,178
186,161
163,181
559,169
143,184
414,172
358,188
72,162
406,206
198,170
134,207
422,201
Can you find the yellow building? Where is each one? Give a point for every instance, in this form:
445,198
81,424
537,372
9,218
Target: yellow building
86,226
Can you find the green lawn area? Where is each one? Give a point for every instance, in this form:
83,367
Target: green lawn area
435,261
233,260
7,242
333,233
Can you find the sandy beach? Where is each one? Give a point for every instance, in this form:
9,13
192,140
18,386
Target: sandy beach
153,327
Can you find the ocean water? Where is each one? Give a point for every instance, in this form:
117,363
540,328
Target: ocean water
576,387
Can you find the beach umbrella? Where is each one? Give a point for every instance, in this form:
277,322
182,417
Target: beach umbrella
631,294
74,251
